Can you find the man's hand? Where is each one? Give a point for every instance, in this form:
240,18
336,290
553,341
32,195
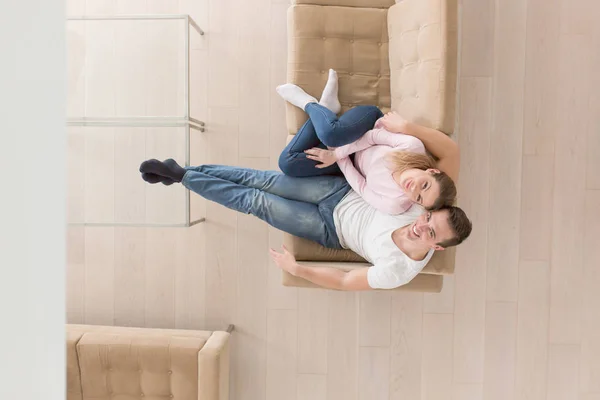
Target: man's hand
325,157
286,261
394,122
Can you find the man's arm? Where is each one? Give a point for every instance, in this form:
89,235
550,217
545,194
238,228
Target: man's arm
332,278
326,277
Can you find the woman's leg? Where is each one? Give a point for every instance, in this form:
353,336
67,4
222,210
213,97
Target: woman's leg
299,218
351,126
293,160
324,129
331,130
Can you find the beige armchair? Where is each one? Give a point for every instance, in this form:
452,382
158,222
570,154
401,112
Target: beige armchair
107,362
401,57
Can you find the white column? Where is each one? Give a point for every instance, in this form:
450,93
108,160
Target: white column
32,199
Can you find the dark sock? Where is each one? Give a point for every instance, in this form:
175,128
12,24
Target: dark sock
168,169
153,178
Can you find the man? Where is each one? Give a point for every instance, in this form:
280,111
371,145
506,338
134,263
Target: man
326,210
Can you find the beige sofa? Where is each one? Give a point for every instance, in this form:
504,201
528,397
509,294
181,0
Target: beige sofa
105,362
401,57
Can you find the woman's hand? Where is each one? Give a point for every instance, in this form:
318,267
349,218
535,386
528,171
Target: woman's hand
325,157
394,122
286,261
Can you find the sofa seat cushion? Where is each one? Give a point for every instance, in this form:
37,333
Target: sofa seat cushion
423,61
441,263
353,41
127,366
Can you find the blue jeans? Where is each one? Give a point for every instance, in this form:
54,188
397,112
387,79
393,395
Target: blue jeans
300,206
324,129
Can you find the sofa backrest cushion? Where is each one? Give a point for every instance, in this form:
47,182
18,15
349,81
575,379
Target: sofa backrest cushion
125,365
423,61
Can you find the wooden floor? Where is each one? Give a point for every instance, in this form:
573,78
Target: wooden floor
520,318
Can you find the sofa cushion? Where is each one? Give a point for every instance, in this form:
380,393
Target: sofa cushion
349,3
423,61
353,41
128,366
441,263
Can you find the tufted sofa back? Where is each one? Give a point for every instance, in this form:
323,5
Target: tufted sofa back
105,362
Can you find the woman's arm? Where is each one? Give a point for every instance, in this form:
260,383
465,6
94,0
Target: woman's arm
378,137
437,143
358,183
326,277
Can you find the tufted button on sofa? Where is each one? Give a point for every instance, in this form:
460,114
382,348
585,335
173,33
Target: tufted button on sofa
398,56
106,362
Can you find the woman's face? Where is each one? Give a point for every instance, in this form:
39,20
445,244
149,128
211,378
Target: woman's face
420,186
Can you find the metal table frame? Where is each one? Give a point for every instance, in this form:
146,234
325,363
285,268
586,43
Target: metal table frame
185,121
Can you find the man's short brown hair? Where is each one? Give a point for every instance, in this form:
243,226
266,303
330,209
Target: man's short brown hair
460,224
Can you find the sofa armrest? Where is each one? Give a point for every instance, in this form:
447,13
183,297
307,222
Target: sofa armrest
349,3
213,368
421,283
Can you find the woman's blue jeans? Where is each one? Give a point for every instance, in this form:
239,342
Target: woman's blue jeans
300,206
324,129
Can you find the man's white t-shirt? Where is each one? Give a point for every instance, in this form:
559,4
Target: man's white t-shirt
368,232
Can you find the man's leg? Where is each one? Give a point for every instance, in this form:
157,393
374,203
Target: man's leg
295,217
312,190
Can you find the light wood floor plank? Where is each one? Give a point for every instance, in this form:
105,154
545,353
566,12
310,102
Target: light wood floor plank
443,302
500,347
282,348
374,318
312,387
190,280
590,317
254,89
532,330
563,371
477,54
537,194
161,247
468,391
99,276
541,74
373,373
342,349
569,192
471,256
313,330
436,367
406,345
130,276
505,159
278,76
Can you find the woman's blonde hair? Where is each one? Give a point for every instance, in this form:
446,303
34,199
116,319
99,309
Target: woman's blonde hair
400,161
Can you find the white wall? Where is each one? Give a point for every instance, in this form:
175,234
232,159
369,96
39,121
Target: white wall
32,199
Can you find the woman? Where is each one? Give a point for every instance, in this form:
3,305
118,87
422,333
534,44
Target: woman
390,170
